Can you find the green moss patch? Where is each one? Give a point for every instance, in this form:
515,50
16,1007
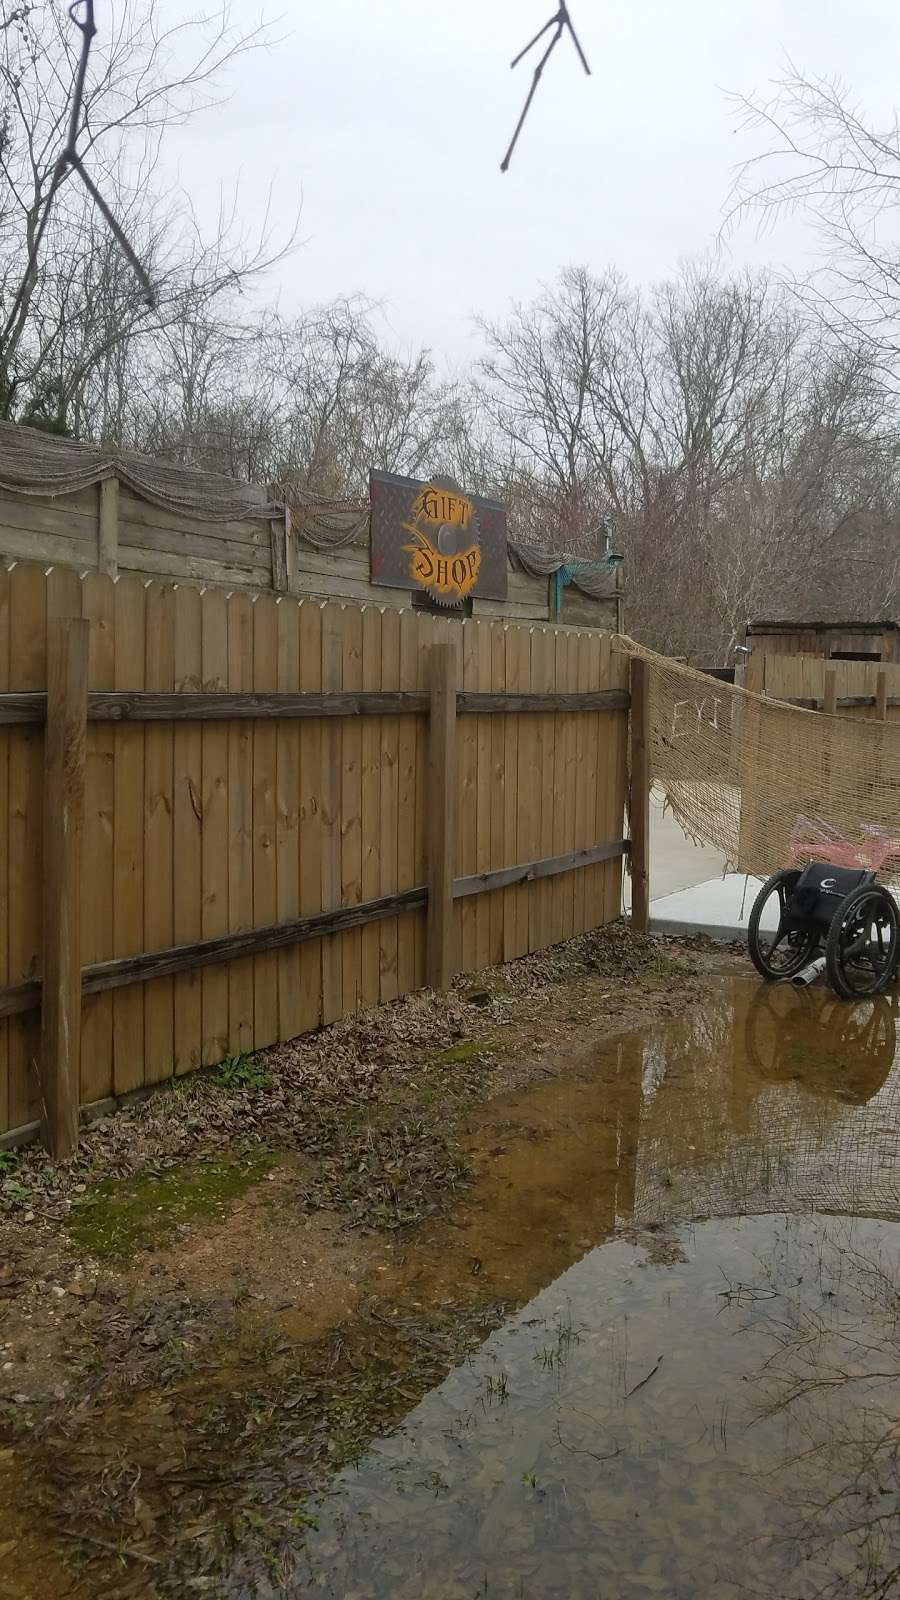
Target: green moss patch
466,1050
120,1216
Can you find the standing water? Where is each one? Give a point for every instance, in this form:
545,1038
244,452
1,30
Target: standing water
693,1386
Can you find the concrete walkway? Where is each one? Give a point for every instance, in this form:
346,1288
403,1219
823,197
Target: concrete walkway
718,907
689,889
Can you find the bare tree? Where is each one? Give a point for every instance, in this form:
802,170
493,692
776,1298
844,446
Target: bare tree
736,454
823,158
142,78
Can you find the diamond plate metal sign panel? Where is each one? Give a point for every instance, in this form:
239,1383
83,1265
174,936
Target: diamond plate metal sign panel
428,534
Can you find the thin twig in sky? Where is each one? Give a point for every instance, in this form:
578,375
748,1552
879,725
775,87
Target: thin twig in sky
561,22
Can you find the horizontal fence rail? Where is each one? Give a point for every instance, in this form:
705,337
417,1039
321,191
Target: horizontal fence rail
192,707
842,702
16,999
530,871
225,822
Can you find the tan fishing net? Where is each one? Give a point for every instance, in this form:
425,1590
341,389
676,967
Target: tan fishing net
767,783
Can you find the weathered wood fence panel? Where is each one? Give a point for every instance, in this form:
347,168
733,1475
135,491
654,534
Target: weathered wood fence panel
286,817
859,688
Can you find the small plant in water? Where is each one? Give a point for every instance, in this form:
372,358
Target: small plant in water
497,1388
533,1482
547,1356
557,1355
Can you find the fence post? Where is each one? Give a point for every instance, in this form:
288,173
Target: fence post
830,706
108,528
278,543
442,803
290,552
64,761
881,696
639,795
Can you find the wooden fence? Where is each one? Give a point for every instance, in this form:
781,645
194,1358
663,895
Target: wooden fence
851,688
225,820
109,528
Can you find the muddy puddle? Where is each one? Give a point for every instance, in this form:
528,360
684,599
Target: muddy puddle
693,1388
654,1349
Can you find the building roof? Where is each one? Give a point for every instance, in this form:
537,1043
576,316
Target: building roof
823,627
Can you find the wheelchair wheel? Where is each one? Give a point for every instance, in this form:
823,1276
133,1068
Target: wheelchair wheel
863,942
786,951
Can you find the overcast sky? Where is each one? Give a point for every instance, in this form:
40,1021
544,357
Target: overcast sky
391,117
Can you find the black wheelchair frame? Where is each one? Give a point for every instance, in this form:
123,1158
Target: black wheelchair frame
846,911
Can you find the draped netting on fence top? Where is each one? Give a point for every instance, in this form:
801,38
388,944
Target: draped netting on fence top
754,777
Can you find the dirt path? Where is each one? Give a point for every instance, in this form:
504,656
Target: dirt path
221,1267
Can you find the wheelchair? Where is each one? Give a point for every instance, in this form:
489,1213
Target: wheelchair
841,911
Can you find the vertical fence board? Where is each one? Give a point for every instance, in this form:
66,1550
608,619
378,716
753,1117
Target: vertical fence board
265,860
639,800
541,920
159,930
371,807
108,527
423,633
310,815
98,889
187,822
240,824
6,734
569,776
27,670
593,877
389,777
443,802
65,742
614,759
496,899
128,838
525,778
351,812
535,802
465,910
332,677
406,808
483,797
577,676
510,793
605,761
555,665
215,858
287,824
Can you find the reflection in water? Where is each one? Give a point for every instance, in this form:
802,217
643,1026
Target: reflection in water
698,1413
554,1466
775,1099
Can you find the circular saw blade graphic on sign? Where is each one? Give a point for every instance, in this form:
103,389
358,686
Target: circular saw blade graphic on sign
444,548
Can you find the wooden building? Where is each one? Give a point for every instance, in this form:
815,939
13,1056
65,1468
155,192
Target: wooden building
75,505
827,641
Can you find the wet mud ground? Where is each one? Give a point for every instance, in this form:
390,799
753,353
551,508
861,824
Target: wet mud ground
556,1307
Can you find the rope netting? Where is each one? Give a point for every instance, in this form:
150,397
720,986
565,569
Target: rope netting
41,464
36,463
770,784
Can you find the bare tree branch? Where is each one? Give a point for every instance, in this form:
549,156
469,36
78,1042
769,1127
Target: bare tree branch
69,159
560,22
